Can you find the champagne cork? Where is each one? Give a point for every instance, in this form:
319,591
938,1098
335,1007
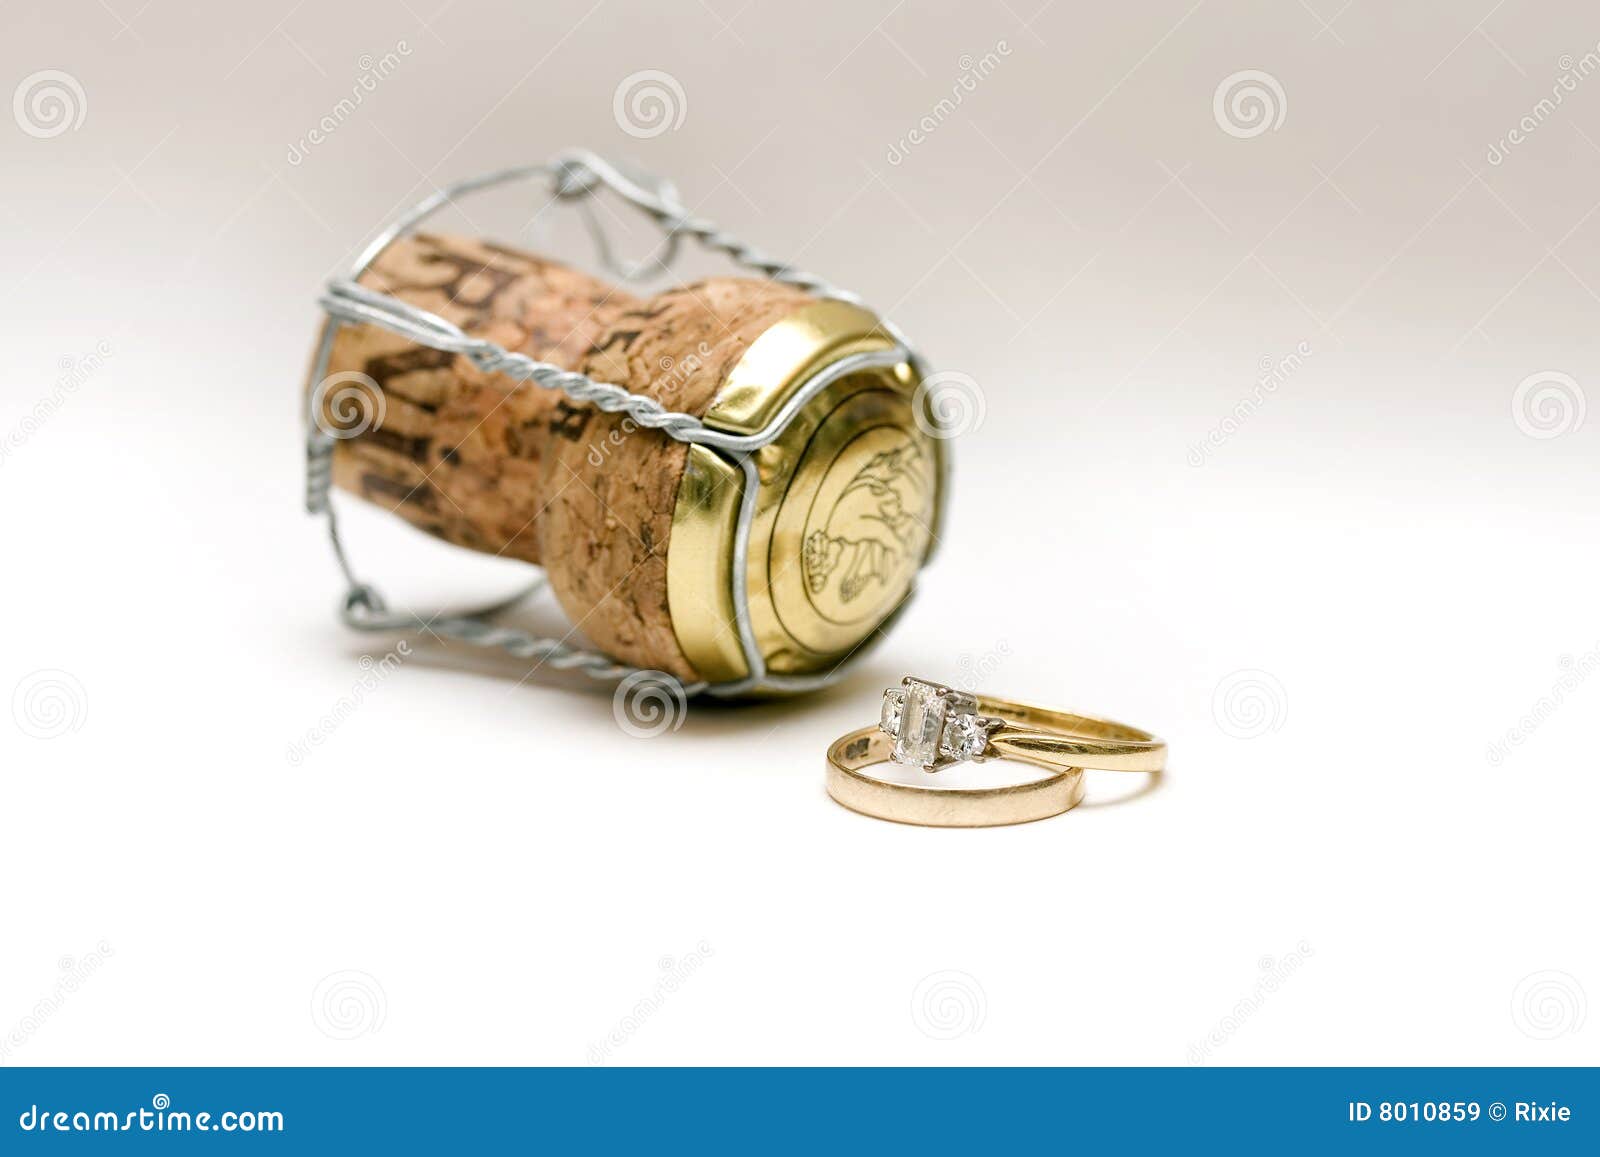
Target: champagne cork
634,528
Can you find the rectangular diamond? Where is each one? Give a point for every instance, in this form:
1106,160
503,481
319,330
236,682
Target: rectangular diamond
921,723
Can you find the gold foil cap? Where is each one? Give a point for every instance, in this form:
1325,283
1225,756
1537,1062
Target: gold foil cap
846,512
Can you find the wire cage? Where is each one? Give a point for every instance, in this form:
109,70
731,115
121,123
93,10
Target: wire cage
577,176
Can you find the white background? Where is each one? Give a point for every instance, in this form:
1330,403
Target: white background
1362,589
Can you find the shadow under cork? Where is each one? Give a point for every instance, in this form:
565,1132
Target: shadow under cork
645,709
763,716
760,717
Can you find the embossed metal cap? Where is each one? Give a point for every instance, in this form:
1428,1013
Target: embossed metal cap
847,509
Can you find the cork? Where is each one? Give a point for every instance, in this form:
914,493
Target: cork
522,472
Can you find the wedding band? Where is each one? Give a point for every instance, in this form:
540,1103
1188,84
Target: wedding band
940,807
928,726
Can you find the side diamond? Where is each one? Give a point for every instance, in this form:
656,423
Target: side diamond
889,719
965,737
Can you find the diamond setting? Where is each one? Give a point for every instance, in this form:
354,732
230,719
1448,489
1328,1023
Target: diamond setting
932,725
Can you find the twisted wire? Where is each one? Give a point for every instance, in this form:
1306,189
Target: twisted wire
349,301
364,610
575,176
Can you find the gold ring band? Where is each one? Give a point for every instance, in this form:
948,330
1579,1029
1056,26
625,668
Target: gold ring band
934,726
1062,739
929,726
940,807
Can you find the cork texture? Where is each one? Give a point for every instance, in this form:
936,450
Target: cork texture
519,471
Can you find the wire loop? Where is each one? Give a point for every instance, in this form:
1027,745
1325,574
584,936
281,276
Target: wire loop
576,175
